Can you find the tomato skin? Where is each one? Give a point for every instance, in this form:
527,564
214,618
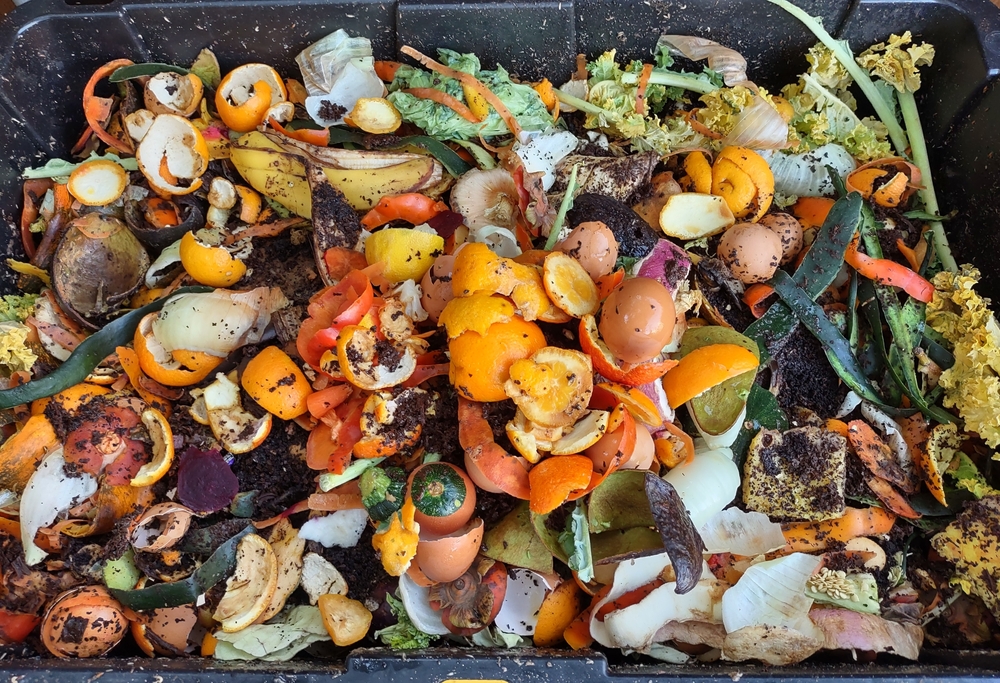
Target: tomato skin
15,627
331,310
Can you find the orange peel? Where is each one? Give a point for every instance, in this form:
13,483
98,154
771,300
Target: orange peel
480,364
552,387
569,286
743,178
476,313
554,479
705,368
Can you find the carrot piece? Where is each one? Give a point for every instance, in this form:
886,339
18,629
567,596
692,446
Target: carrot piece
810,537
577,634
552,481
558,610
98,109
161,213
11,527
272,229
909,254
386,69
344,497
323,401
467,79
320,137
632,597
425,372
547,93
581,68
685,438
812,211
892,498
640,93
755,296
34,192
838,426
692,118
888,272
443,98
875,454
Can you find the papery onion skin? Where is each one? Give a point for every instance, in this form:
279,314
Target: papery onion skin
216,322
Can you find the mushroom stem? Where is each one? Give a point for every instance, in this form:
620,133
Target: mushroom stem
222,199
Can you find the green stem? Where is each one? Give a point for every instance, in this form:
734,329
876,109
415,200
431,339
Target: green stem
918,150
861,77
564,207
585,106
671,79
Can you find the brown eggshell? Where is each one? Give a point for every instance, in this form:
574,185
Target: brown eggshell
83,622
637,319
788,228
436,286
445,558
751,251
594,246
172,626
644,451
604,451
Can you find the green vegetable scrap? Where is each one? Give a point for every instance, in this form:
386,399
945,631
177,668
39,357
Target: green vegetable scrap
403,635
441,122
972,384
575,541
17,308
279,640
825,109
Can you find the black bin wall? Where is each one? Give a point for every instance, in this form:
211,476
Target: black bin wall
48,49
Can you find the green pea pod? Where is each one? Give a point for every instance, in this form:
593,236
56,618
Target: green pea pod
818,270
838,350
127,73
87,355
186,592
455,164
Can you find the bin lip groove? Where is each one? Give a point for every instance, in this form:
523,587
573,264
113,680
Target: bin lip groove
939,664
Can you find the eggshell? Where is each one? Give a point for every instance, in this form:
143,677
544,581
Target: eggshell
751,251
644,451
172,626
637,319
436,286
788,228
594,245
445,558
83,622
526,590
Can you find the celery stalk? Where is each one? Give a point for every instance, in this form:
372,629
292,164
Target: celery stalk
918,150
670,79
861,77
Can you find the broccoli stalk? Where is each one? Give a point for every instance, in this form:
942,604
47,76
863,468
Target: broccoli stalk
882,108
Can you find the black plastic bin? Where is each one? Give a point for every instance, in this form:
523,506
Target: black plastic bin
50,48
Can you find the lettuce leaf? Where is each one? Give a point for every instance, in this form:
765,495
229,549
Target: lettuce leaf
17,308
575,540
277,641
59,168
442,122
403,635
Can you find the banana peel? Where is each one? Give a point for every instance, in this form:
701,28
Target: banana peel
279,172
